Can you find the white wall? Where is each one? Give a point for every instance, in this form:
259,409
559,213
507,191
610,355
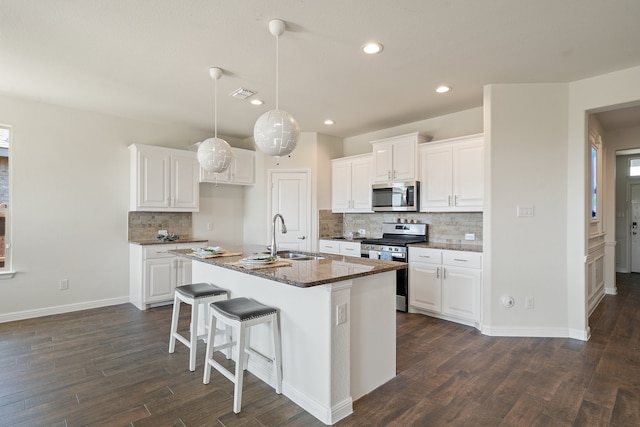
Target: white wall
467,122
525,138
70,193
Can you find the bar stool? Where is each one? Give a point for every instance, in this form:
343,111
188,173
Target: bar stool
242,314
195,294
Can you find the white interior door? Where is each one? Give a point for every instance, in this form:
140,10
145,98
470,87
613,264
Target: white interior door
290,197
635,228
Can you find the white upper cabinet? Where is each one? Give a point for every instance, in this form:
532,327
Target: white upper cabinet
395,159
241,171
163,179
351,184
452,175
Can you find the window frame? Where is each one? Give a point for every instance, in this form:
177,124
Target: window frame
6,271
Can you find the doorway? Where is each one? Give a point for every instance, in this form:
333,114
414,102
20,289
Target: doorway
634,216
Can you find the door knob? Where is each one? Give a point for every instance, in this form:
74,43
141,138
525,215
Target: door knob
302,238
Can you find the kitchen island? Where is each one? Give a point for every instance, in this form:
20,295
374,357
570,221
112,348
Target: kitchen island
338,324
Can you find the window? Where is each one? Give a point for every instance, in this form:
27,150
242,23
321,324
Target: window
634,167
594,182
5,139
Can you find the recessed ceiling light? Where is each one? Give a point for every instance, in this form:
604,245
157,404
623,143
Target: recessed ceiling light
372,48
257,101
443,89
329,122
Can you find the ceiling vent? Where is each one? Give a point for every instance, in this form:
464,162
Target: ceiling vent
242,93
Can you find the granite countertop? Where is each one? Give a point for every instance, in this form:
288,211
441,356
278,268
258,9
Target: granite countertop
167,242
448,246
304,273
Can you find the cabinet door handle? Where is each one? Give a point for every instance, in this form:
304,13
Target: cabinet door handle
302,237
424,256
389,174
394,174
444,273
449,200
456,200
437,272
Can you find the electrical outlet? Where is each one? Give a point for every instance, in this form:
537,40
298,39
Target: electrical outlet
525,211
341,313
210,226
64,284
362,232
469,236
163,232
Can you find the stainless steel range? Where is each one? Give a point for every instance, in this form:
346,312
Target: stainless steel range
393,246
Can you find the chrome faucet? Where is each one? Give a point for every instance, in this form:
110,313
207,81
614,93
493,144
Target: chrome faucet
274,250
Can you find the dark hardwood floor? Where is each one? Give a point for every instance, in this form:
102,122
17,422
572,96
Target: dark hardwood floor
110,367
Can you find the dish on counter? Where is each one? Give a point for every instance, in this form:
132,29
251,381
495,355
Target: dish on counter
210,251
258,260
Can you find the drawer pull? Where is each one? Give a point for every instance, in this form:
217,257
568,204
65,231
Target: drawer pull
460,260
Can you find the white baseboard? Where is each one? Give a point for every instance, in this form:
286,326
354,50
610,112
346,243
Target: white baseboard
59,309
328,415
534,332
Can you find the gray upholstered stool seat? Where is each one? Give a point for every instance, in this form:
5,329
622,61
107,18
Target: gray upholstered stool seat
200,290
241,314
197,295
242,308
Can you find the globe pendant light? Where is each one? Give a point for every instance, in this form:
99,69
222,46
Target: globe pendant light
214,154
276,132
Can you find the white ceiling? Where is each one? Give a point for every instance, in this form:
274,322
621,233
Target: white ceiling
150,59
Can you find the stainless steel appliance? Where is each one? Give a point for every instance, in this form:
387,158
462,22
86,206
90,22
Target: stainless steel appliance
395,197
393,245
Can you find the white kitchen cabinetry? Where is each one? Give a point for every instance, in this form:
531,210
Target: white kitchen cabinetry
445,284
241,171
425,279
395,159
163,179
351,184
452,175
154,273
338,247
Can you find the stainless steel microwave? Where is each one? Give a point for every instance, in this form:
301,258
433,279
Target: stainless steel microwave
396,197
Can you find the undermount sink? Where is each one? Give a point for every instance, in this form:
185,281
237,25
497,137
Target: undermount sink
298,256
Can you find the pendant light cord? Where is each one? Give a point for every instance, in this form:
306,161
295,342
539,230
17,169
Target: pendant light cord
277,71
215,108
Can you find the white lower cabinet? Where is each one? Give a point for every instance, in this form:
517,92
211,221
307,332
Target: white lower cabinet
339,248
154,273
446,284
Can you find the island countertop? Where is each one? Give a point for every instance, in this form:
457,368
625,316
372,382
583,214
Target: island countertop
302,273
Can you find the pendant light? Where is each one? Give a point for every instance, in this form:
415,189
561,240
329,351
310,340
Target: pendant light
214,154
276,131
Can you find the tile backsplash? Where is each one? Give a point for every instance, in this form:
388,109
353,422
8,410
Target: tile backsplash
444,227
145,225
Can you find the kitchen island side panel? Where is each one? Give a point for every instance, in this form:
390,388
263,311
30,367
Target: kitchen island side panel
325,361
